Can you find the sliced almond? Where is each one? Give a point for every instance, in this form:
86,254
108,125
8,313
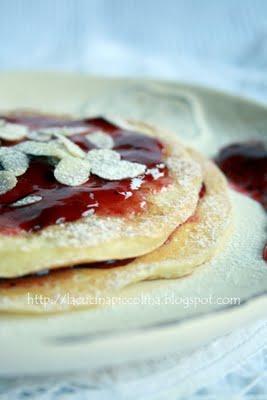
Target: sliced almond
72,147
39,136
102,155
101,140
72,171
62,130
117,170
7,181
13,161
49,149
12,132
31,199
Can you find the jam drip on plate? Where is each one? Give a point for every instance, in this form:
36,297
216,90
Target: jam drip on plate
61,203
245,165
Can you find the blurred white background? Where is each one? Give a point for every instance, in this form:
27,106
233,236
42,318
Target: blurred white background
222,43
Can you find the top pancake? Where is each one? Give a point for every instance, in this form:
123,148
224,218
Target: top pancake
98,238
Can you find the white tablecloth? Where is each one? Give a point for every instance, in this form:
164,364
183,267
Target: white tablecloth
217,43
232,367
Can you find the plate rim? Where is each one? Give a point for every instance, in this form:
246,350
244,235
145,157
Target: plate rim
116,78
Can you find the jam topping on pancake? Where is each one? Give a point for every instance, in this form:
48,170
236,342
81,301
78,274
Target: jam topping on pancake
108,171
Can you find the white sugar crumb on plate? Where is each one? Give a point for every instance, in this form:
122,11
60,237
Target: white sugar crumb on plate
100,139
13,161
31,199
7,181
72,171
12,132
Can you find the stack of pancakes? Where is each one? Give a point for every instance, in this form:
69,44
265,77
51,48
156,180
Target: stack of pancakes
183,226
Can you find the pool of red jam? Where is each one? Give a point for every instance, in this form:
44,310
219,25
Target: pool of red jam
62,203
245,165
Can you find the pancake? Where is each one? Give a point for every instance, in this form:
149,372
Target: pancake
190,245
96,237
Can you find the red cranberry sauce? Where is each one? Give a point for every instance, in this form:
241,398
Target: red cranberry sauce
245,165
264,253
62,203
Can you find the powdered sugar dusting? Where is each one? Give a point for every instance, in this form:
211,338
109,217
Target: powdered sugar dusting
215,209
186,170
136,183
96,230
155,173
82,233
